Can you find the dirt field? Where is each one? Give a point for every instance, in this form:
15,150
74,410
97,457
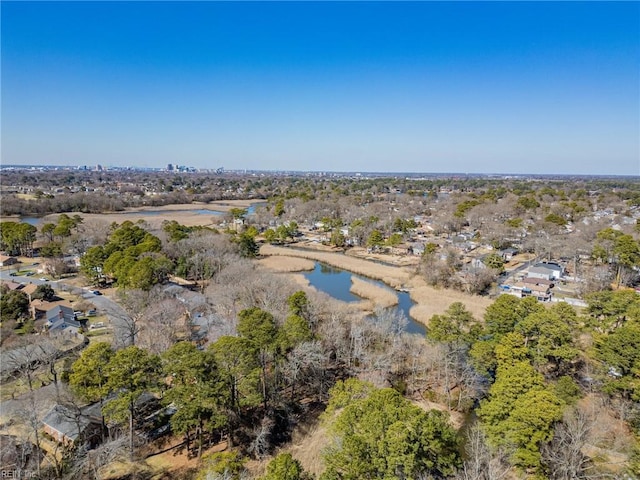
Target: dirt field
429,300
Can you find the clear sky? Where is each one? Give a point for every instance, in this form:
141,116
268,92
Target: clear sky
504,87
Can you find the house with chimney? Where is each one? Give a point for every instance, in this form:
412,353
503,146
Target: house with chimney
30,289
61,320
38,308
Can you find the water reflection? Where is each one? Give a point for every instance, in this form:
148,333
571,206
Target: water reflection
337,283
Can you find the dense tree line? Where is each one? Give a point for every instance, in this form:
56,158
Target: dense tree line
522,362
17,238
132,257
273,353
537,373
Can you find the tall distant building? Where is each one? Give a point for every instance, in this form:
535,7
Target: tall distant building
170,167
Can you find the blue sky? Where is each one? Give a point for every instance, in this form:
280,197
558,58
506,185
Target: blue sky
504,87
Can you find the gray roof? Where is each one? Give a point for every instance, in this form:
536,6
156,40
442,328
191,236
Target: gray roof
68,422
542,270
58,312
60,318
550,266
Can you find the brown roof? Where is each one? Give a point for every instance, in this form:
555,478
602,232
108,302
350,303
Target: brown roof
44,306
30,288
11,285
537,281
531,286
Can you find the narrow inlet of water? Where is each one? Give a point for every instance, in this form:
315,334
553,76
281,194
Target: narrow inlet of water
337,283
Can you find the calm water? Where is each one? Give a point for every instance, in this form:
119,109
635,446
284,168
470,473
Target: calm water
150,213
31,220
337,283
142,213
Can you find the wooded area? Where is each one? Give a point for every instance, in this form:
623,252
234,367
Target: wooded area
223,354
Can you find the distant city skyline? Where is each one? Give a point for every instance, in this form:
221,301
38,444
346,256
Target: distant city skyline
468,87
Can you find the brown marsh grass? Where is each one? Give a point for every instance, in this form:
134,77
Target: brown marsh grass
429,300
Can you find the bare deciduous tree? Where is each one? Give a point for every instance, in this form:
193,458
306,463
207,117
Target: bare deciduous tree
89,463
482,463
128,325
165,322
564,455
261,444
306,364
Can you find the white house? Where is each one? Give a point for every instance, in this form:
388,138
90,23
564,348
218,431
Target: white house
556,268
541,272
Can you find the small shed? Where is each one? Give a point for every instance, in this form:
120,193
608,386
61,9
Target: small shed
508,253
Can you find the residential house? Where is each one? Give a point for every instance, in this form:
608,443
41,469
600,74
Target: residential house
538,281
30,290
541,292
417,248
11,285
62,321
6,260
521,289
67,426
541,272
478,262
38,308
556,268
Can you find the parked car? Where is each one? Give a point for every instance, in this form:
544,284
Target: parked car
91,313
97,292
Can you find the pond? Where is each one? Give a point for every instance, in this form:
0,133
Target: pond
30,220
138,213
149,213
337,283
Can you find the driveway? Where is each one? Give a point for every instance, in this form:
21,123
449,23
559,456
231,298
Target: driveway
116,315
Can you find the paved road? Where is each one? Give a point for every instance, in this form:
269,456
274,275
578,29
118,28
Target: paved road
14,411
116,315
